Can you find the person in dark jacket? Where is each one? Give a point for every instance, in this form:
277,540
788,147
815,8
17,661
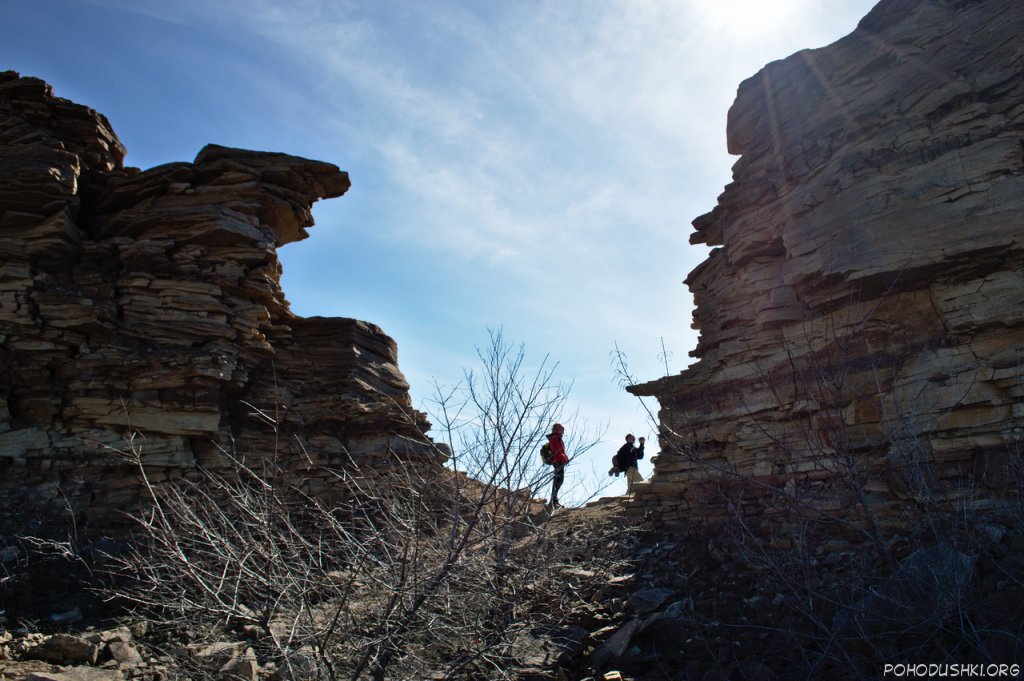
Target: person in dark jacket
625,461
558,460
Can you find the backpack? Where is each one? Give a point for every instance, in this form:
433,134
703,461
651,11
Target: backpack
615,461
546,454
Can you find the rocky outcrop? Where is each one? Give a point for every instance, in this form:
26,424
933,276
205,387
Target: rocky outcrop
142,310
861,318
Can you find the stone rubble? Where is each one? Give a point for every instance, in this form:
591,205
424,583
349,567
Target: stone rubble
650,610
106,655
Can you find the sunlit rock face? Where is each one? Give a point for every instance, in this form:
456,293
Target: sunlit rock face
149,303
862,315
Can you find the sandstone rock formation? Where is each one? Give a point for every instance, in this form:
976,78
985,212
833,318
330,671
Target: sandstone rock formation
862,315
149,303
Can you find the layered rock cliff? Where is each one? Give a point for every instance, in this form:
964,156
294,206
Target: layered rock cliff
861,316
146,306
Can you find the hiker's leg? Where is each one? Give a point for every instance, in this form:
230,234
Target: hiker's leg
632,477
556,483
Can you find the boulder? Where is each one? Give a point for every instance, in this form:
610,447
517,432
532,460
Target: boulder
63,649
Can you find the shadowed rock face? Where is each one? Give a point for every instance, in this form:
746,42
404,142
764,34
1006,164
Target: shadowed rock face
150,302
864,306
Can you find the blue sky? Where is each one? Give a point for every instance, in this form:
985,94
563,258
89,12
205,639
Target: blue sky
531,165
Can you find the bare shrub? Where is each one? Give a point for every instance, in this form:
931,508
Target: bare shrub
439,573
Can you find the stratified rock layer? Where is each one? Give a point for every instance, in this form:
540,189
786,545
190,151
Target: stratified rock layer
149,303
862,319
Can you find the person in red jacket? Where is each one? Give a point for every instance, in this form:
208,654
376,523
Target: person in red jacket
558,460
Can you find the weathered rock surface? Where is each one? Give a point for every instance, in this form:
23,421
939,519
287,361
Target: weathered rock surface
149,303
862,315
97,656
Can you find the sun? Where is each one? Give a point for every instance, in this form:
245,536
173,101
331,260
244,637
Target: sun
749,18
